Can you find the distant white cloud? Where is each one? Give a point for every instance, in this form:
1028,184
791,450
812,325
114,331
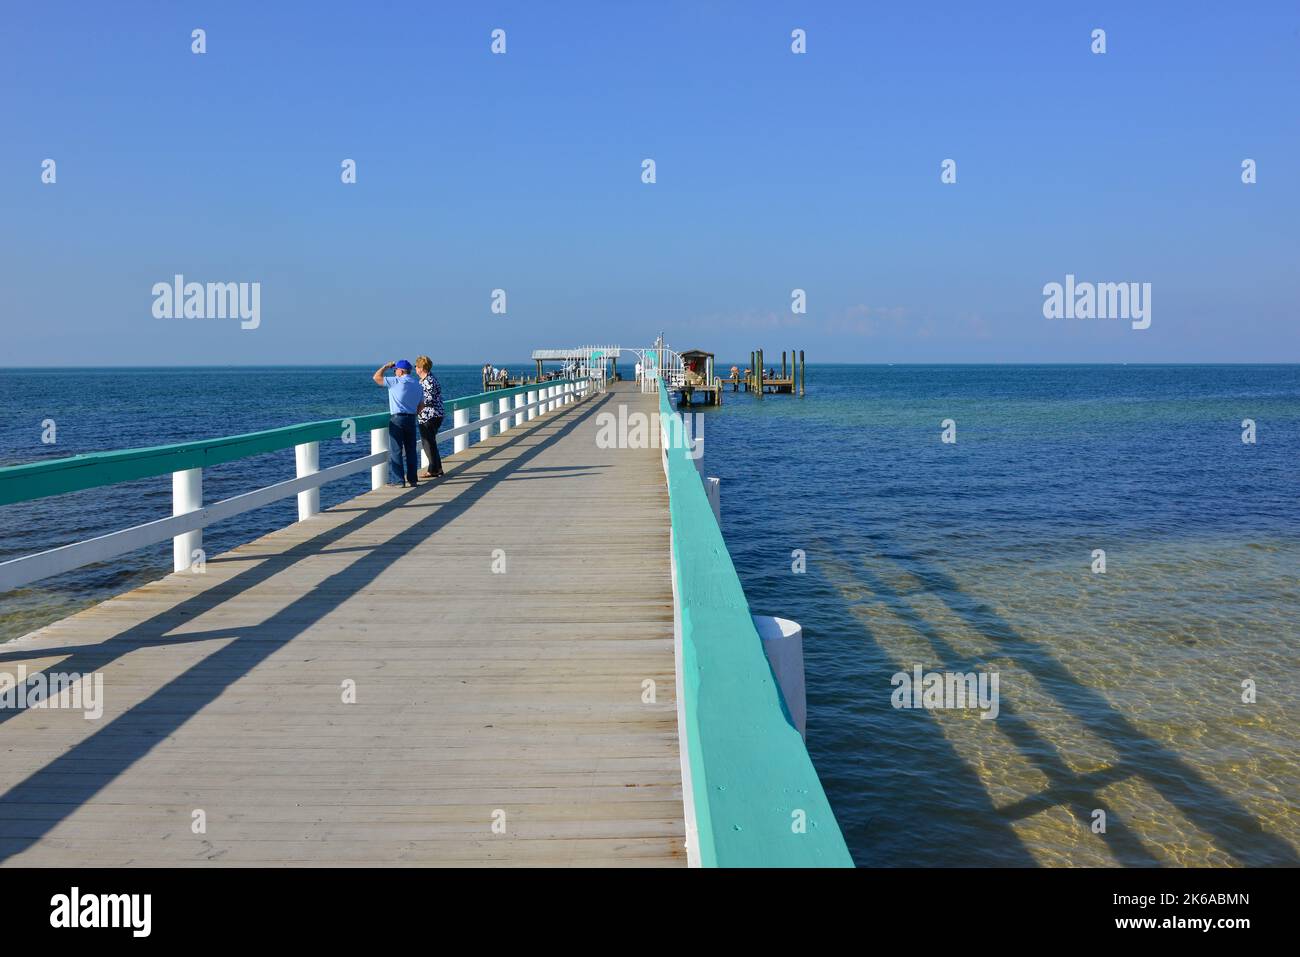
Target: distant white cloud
975,325
755,319
868,321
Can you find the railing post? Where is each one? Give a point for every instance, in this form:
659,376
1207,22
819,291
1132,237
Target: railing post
378,443
783,644
307,461
459,418
532,411
187,496
713,489
519,404
485,412
503,405
694,443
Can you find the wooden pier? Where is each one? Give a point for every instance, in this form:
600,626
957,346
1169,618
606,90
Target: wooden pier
476,692
514,665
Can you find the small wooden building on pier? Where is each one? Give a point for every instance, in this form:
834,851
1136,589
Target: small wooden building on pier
699,378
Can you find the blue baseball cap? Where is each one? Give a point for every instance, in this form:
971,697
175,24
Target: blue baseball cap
402,364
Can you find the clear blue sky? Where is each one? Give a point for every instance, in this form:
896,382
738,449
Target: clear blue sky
523,171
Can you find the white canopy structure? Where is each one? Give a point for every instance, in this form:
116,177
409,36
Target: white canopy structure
591,361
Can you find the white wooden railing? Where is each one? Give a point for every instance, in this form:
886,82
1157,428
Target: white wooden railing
190,516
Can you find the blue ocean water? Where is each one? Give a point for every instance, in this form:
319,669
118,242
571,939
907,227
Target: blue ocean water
1121,692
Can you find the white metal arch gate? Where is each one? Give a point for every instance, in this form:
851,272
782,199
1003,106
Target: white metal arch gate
659,360
652,362
589,362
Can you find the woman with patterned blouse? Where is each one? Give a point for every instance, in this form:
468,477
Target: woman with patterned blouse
429,415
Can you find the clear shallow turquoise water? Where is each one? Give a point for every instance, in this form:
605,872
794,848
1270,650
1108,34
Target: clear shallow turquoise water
1119,692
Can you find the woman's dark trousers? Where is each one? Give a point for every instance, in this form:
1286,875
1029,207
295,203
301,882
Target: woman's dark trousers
429,438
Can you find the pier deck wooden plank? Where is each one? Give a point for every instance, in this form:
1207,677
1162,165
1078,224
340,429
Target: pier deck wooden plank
476,692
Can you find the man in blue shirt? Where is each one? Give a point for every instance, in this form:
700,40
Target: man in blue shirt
404,396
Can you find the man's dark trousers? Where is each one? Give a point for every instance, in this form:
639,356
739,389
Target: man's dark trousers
402,439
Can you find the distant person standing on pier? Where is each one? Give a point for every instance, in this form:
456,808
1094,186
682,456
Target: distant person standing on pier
429,415
404,396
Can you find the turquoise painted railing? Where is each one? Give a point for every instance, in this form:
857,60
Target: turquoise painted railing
21,483
185,462
756,796
472,401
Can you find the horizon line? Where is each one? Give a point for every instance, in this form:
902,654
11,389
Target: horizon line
85,367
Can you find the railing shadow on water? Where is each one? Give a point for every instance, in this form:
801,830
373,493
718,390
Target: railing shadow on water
874,788
1215,813
77,775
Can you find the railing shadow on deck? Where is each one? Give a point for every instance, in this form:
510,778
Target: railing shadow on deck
103,756
1215,813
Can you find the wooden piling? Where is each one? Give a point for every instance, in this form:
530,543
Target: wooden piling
758,371
803,375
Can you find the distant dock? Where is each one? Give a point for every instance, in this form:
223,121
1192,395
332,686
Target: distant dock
757,380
